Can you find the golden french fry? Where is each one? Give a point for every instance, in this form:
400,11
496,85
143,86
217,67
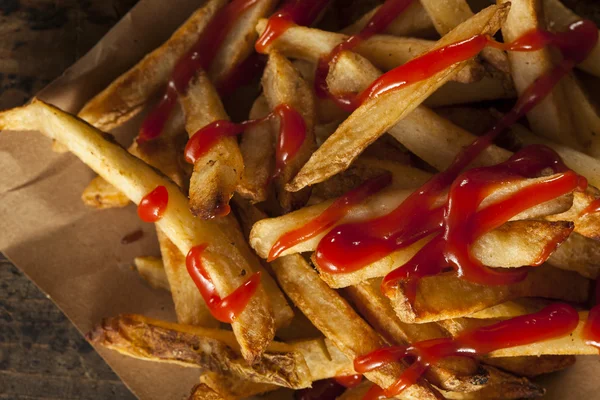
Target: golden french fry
223,262
129,93
227,387
552,117
386,52
492,86
558,18
579,254
218,171
101,194
585,115
377,115
258,150
283,84
413,21
586,224
447,296
532,366
512,308
152,270
333,316
288,365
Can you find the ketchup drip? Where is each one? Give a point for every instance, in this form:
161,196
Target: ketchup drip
592,208
336,211
349,381
153,205
227,309
200,56
575,45
292,132
378,23
552,322
293,12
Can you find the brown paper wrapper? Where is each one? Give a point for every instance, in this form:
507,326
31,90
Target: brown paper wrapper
74,253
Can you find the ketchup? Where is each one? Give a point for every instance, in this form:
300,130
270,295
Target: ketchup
200,56
378,23
326,389
349,381
552,322
592,208
227,309
153,205
336,211
292,132
293,12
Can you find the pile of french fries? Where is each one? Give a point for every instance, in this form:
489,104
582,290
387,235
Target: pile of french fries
304,324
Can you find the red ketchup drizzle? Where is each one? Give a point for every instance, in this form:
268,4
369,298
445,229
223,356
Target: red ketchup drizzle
227,309
592,208
591,329
292,132
554,321
378,23
293,12
153,205
457,223
200,56
349,381
575,44
335,212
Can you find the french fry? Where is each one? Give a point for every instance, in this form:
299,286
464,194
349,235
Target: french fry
287,365
333,316
204,392
377,115
552,117
532,366
558,18
447,15
217,172
190,307
283,84
101,194
258,150
446,296
512,308
572,344
386,52
152,270
579,254
585,115
129,93
228,388
413,21
492,86
254,327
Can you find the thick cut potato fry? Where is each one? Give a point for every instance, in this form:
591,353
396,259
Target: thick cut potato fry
101,194
579,254
189,304
223,262
152,270
218,171
413,21
585,115
446,296
333,316
512,308
377,115
532,366
283,84
129,93
229,388
447,15
288,365
552,117
258,150
572,344
558,18
386,52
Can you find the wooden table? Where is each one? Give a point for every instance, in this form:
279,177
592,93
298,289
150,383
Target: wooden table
42,356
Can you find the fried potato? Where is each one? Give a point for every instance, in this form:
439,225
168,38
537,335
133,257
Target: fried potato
579,254
287,365
413,21
283,84
572,344
258,150
130,93
218,171
254,327
229,388
152,270
386,52
532,366
585,116
552,117
334,317
586,224
492,86
446,296
204,392
377,115
558,18
512,308
101,194
447,15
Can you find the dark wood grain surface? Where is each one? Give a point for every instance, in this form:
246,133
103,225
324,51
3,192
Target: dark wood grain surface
42,356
